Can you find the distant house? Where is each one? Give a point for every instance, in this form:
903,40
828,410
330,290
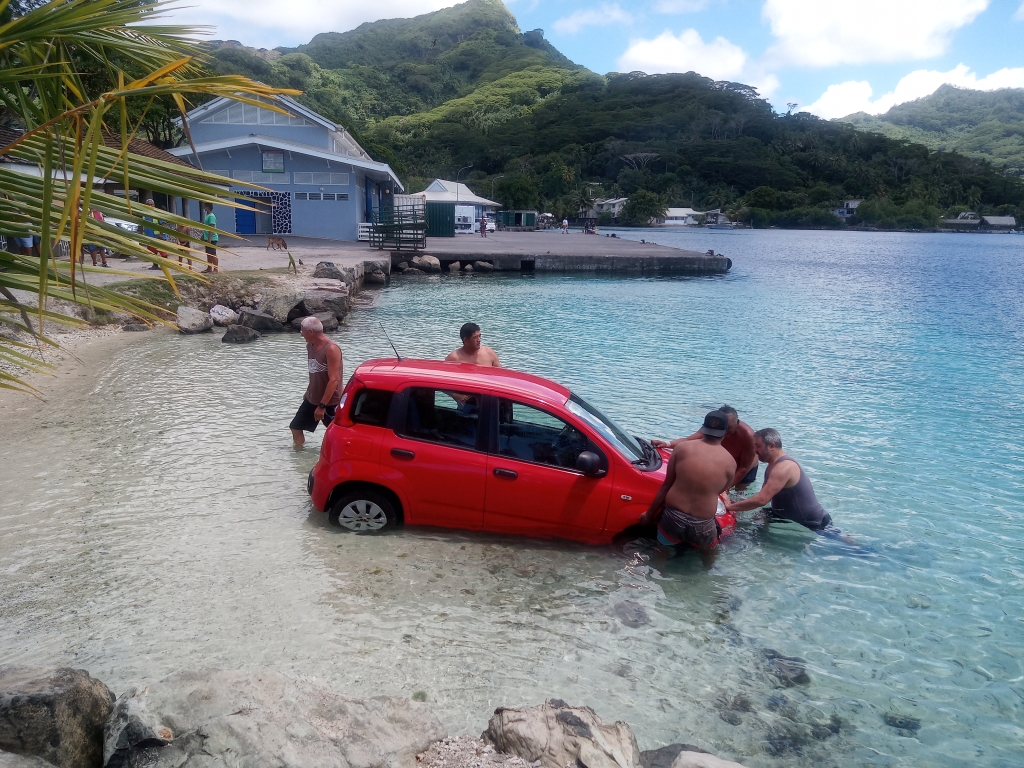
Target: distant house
966,221
320,182
998,222
849,209
612,205
681,217
716,218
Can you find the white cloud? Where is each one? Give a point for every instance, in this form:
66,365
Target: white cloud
680,6
855,96
269,23
607,14
718,59
1019,15
820,34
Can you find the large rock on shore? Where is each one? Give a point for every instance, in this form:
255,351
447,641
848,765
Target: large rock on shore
556,734
57,715
330,271
427,263
279,304
335,301
703,760
223,316
483,266
239,334
193,320
259,321
221,719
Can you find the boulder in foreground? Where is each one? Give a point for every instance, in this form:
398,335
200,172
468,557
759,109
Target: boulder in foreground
328,270
239,334
11,760
193,320
279,303
223,316
426,263
327,319
259,321
555,734
221,719
57,715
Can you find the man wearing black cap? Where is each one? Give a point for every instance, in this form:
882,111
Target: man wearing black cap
738,440
687,501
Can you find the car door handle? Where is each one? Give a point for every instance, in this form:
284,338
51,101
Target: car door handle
507,473
401,453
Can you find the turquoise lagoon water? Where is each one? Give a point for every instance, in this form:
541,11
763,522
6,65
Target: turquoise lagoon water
158,522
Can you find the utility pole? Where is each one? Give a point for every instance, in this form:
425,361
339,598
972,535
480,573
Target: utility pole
457,181
492,184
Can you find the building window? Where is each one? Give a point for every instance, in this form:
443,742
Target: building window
247,114
339,197
334,179
259,177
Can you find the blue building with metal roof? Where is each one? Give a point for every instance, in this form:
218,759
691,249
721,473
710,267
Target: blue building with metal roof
319,182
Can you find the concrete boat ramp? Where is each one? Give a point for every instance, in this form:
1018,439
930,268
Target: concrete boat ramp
506,251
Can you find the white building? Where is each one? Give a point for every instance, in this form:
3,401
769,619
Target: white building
681,217
849,209
442,191
612,205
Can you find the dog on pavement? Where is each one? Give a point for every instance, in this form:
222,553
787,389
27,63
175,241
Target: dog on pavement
277,243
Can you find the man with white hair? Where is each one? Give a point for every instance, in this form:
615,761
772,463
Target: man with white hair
324,391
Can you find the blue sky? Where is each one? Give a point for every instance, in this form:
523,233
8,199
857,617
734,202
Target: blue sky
831,58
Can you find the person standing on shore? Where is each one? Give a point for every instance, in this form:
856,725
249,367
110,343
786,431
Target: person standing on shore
323,393
150,232
483,226
685,505
185,242
786,486
472,350
738,440
211,238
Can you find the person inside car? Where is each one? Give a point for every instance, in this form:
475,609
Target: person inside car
472,351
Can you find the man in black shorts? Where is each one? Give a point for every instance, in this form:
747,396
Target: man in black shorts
324,390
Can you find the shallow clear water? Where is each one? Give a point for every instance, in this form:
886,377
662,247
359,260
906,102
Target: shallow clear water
154,516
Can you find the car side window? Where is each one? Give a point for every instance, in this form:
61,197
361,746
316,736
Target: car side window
443,416
528,433
371,407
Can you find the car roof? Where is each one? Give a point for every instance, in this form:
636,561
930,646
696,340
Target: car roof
393,372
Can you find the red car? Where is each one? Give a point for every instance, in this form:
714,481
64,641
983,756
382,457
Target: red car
462,446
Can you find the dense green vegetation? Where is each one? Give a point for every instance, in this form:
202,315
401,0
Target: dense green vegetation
981,124
463,86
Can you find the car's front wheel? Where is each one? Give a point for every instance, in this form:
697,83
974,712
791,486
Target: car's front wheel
363,511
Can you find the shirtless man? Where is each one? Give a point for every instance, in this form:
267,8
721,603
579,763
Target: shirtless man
687,501
738,440
472,351
786,485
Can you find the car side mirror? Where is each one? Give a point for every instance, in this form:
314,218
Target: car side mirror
589,463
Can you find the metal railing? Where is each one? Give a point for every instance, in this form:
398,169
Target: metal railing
400,227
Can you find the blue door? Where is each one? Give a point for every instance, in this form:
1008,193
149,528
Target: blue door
245,218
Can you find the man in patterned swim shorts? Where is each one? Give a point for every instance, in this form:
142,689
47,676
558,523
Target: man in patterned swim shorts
687,501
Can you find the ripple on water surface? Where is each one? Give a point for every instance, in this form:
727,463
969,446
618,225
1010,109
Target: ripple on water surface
156,519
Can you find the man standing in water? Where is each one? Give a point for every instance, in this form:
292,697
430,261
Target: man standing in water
738,441
687,501
472,351
324,391
786,485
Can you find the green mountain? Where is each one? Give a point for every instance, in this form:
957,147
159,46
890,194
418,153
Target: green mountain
982,124
464,86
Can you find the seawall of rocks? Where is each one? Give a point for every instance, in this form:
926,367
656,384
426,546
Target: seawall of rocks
224,719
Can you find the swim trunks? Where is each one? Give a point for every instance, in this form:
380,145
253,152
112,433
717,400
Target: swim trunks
818,527
676,528
305,417
751,476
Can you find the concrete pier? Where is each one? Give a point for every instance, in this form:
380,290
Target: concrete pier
554,252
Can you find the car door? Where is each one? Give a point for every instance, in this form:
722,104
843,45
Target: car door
435,457
533,486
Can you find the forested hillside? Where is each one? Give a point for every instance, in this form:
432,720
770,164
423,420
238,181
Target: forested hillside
982,124
464,86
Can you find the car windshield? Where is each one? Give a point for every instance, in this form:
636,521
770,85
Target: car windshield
624,444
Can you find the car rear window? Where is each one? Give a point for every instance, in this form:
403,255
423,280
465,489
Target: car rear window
443,416
371,407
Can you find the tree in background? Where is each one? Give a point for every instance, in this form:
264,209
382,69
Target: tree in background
517,193
643,206
582,200
60,83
